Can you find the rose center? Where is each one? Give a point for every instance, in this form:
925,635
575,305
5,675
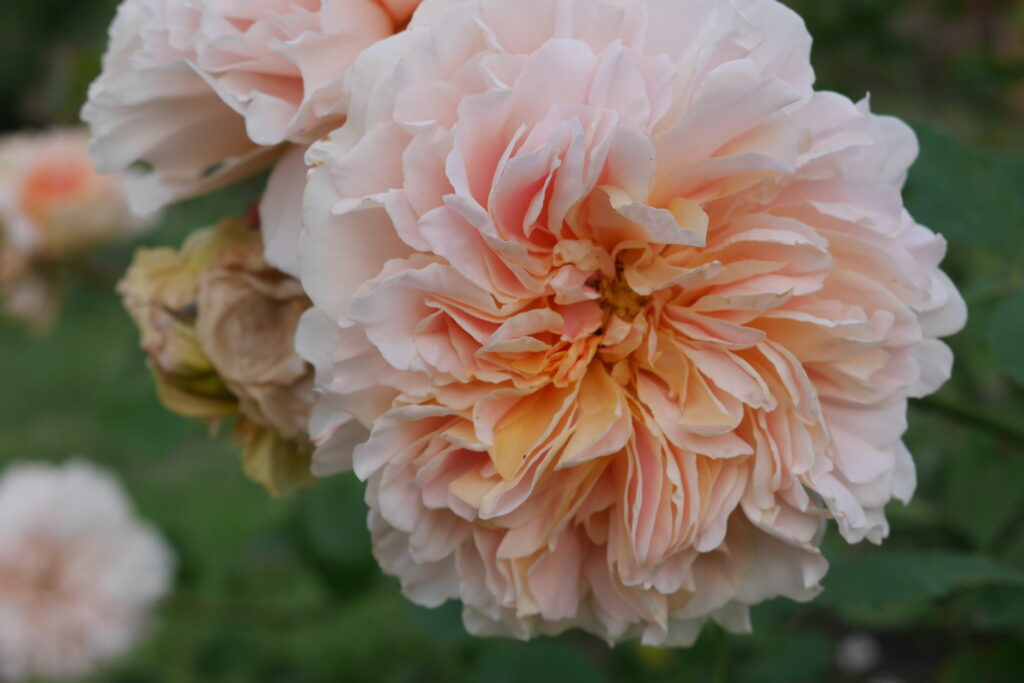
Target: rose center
618,299
50,183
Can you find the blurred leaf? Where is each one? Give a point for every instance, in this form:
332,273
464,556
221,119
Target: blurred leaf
999,608
329,529
1006,335
965,194
772,614
707,659
654,658
222,655
982,482
878,576
885,616
199,212
1012,550
542,660
789,656
442,623
1001,662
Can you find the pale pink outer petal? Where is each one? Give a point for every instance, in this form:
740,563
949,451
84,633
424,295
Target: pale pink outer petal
280,211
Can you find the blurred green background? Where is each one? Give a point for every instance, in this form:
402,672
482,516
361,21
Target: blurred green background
288,592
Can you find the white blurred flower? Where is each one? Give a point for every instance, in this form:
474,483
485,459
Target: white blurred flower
858,653
78,571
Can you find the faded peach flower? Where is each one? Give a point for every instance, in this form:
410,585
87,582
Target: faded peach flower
53,205
628,307
217,325
196,94
27,288
79,572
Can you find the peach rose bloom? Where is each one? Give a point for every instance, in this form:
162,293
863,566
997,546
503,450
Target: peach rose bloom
79,573
196,94
53,205
218,327
628,307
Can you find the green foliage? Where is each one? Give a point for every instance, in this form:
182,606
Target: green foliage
881,577
968,195
983,466
49,51
545,660
1006,330
995,663
328,527
795,657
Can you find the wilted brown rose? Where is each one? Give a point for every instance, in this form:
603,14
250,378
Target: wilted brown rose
217,324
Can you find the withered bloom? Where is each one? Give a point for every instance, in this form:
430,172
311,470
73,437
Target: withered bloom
217,324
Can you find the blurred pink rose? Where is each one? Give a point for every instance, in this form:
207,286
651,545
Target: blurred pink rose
78,571
52,199
53,205
644,309
196,94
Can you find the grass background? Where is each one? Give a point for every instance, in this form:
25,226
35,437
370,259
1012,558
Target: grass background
286,591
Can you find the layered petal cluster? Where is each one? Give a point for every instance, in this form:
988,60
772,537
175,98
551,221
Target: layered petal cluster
53,205
217,326
195,94
79,572
629,308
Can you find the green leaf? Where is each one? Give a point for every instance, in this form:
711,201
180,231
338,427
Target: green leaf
539,660
443,623
982,483
1012,549
893,615
998,608
328,528
882,576
965,194
999,662
789,656
1006,335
